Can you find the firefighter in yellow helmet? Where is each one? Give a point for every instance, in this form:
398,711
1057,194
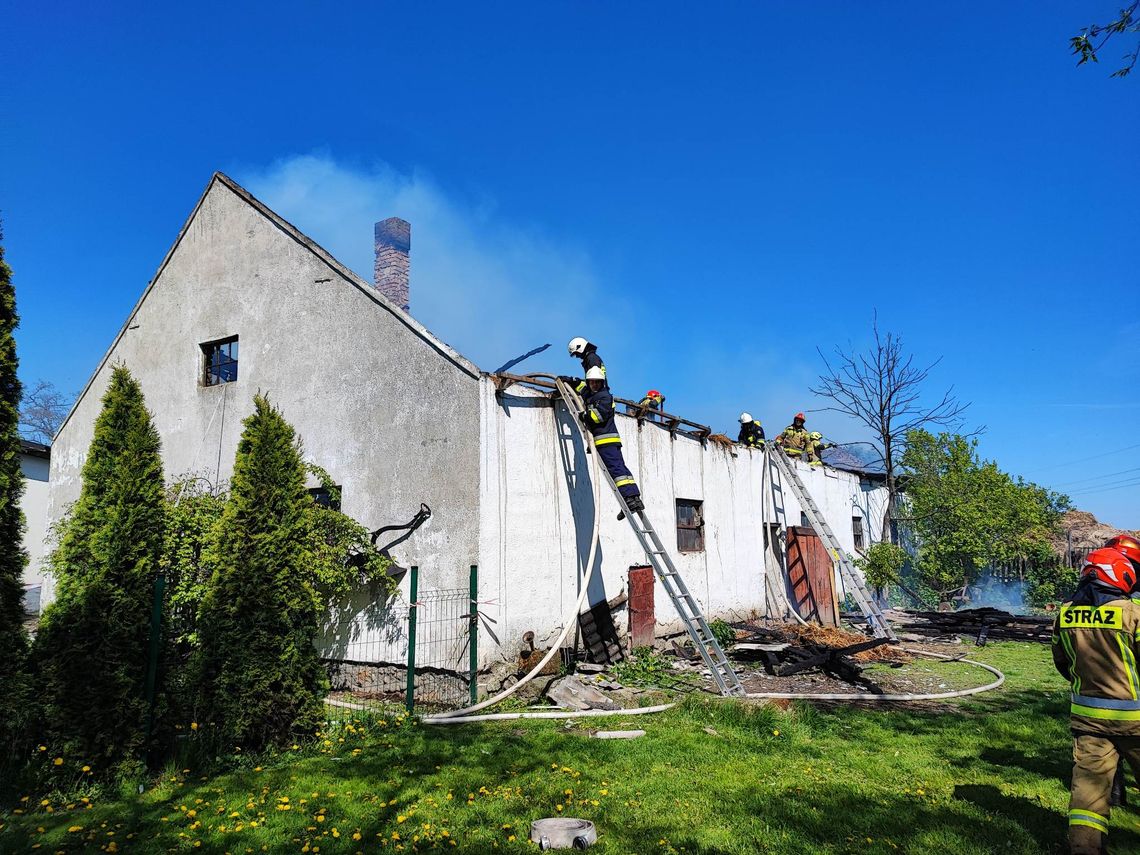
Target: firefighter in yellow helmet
1096,638
816,445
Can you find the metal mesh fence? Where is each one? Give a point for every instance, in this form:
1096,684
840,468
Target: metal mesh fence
371,675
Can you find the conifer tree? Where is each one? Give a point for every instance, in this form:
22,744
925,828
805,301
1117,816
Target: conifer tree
13,641
260,681
91,650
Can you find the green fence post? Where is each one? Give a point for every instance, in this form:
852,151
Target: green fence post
152,660
473,641
410,697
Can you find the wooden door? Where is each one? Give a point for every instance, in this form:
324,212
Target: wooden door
811,577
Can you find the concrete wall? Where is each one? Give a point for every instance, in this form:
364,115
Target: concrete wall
537,511
34,504
381,405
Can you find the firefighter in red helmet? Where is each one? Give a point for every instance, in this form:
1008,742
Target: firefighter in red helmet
1128,545
795,439
1095,647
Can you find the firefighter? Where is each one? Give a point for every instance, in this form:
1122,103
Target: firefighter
653,400
794,440
751,434
1128,545
816,445
599,420
588,353
1094,647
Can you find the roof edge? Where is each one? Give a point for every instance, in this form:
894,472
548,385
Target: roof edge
304,240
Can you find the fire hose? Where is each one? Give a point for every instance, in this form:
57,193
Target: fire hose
465,715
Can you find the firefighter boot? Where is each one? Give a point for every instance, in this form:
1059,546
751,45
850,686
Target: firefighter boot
635,504
1085,841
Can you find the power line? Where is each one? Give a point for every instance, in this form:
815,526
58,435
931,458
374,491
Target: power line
1084,459
1099,477
1094,490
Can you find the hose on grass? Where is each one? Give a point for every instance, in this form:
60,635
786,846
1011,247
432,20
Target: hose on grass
571,617
871,696
465,715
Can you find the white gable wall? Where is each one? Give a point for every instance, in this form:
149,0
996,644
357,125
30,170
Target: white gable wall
378,405
537,512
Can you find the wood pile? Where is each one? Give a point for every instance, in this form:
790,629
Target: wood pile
979,624
788,650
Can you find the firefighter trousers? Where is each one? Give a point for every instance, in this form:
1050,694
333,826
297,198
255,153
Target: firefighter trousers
1095,759
611,458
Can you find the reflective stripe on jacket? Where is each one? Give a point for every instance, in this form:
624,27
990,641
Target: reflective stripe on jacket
599,417
752,435
1095,640
590,359
794,440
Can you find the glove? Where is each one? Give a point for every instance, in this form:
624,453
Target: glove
569,381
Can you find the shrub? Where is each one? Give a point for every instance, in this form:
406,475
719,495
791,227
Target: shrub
13,641
90,654
259,680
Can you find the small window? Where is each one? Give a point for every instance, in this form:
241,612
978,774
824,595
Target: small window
221,361
326,498
690,526
857,531
804,520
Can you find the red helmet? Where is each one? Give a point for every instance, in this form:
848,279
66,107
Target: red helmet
653,393
799,416
1111,567
1128,546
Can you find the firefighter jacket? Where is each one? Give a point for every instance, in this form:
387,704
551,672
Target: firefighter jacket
590,359
651,403
752,435
794,440
1095,639
599,417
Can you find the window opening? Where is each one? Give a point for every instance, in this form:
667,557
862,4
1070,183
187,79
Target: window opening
221,361
690,525
327,498
857,531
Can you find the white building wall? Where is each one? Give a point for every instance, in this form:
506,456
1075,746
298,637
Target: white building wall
379,403
34,504
537,506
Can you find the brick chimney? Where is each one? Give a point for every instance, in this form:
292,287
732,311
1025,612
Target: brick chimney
393,245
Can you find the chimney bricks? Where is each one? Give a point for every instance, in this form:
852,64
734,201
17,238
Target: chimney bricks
393,245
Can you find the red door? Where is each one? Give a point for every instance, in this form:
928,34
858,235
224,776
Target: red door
811,575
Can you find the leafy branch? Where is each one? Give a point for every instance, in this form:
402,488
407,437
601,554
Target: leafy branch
1092,38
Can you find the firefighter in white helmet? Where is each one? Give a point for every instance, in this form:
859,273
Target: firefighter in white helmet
751,434
599,420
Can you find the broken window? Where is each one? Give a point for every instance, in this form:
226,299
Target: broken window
857,531
690,526
221,361
326,497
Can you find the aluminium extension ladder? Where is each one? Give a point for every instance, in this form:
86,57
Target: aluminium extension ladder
852,580
688,609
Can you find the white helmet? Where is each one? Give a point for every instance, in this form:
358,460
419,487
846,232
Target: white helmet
596,373
577,346
745,418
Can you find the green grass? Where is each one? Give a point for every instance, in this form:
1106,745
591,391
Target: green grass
988,774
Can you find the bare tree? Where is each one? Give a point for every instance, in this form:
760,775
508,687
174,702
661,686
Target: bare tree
882,388
42,410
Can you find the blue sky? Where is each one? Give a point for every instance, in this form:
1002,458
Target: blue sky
710,194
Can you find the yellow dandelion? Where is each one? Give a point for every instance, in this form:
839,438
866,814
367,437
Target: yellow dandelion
58,761
193,725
